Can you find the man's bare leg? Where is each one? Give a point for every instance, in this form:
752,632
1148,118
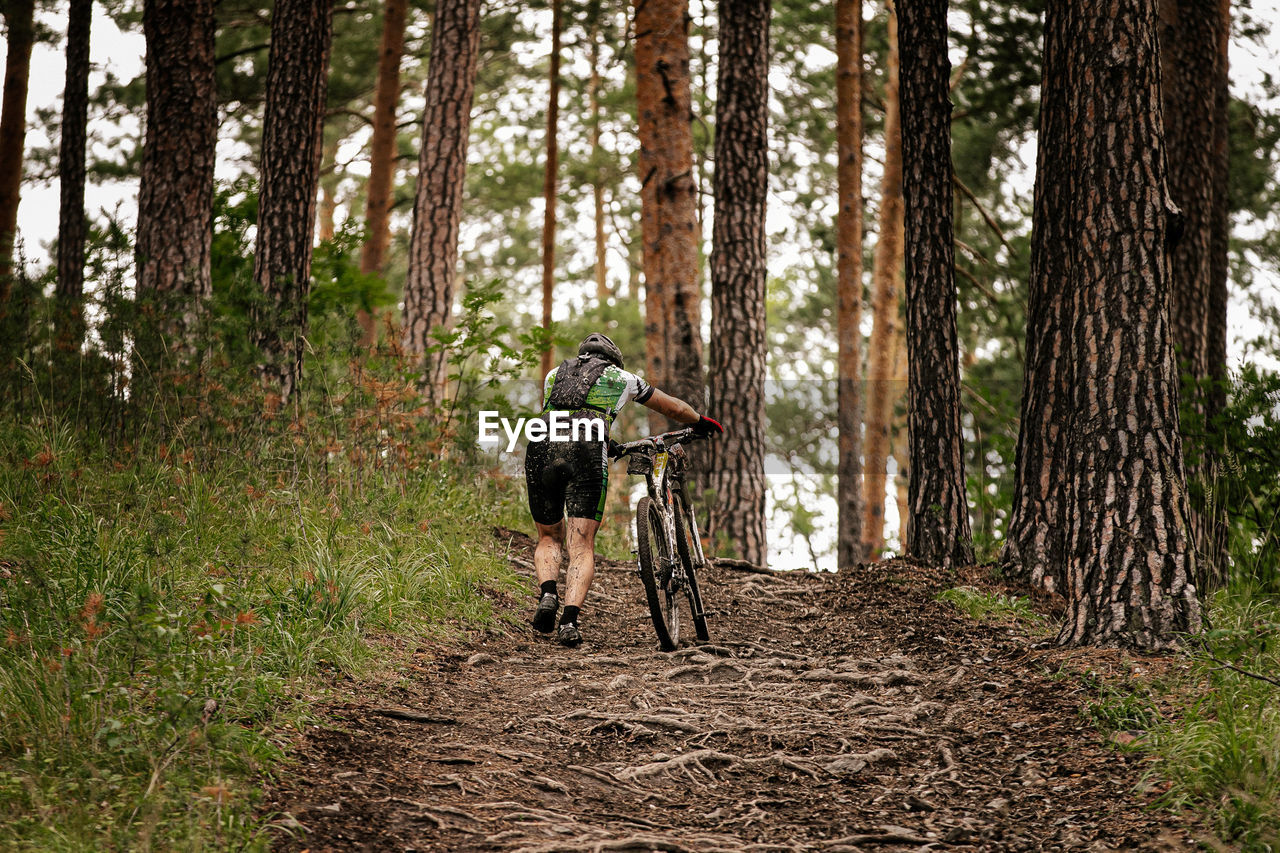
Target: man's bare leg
547,556
546,566
582,559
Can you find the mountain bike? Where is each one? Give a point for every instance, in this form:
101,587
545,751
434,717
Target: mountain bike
668,547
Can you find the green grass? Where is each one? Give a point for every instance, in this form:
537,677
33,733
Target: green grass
989,606
167,614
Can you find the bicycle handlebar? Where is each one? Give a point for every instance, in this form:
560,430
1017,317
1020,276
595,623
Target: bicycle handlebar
673,437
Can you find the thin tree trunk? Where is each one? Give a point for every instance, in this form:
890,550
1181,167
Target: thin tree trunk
597,185
884,387
175,196
382,155
442,163
72,226
549,194
292,139
1214,547
1129,559
18,15
738,272
939,523
1189,37
329,179
1035,541
849,542
668,208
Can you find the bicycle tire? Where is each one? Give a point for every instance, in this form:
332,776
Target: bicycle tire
683,536
657,593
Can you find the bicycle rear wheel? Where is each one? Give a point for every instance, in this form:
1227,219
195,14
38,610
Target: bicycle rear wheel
686,551
655,557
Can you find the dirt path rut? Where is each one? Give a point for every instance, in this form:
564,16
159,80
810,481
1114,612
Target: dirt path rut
832,714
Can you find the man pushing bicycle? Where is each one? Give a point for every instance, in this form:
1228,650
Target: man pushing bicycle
572,477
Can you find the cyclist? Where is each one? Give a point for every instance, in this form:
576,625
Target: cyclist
574,475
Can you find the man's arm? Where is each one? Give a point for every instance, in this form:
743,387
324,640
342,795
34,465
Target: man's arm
672,407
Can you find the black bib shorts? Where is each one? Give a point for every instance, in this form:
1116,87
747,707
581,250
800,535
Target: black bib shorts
566,476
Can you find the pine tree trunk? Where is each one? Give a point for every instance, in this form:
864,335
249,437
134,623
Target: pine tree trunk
849,540
939,523
1129,559
382,155
72,225
1035,542
668,208
175,197
549,194
1214,547
18,16
292,138
884,387
442,163
1190,38
597,184
738,271
329,180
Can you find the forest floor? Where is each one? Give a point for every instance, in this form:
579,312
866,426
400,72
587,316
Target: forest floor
829,713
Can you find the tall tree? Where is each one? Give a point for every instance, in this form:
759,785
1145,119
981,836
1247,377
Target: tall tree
849,499
292,140
673,343
69,318
1129,558
597,182
20,25
1192,69
549,182
939,523
175,198
738,270
1035,539
442,163
883,385
382,153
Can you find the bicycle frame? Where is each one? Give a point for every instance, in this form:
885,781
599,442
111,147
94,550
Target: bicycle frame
662,485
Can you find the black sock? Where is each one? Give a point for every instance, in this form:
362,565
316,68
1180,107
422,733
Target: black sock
548,587
569,616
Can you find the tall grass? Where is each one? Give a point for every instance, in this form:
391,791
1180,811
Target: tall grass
166,610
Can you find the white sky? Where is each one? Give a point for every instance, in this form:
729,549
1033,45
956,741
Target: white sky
122,54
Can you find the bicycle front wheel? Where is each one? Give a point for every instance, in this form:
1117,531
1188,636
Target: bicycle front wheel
655,572
684,547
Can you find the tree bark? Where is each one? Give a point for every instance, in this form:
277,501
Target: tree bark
1192,65
382,155
442,163
329,178
668,216
175,197
549,194
939,523
292,139
1129,559
738,272
884,382
597,184
19,21
849,540
72,226
1034,549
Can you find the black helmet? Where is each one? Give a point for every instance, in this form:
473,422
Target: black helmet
598,344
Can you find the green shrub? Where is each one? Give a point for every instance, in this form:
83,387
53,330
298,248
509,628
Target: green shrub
164,610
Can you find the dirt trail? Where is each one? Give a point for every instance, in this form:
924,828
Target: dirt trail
837,713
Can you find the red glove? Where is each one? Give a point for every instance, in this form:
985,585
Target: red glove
706,427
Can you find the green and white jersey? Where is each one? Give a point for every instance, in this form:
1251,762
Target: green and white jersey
613,390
